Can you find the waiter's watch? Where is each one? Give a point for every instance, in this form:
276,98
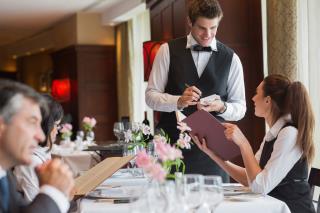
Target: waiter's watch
224,108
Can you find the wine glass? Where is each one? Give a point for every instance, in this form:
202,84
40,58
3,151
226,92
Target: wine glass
80,135
118,130
79,140
212,189
191,191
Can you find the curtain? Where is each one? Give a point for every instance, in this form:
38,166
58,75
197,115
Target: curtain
138,32
309,59
282,37
294,48
123,72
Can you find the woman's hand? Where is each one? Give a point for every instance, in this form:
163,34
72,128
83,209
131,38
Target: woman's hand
202,145
233,133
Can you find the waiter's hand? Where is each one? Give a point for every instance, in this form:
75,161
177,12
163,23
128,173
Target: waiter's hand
214,106
190,96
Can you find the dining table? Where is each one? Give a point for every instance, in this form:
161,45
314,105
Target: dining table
78,160
127,178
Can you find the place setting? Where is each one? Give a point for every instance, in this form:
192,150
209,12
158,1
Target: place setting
238,192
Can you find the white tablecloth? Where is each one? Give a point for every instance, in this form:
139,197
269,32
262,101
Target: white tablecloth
78,161
262,204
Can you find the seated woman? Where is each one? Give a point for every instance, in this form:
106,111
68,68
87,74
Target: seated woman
280,167
26,177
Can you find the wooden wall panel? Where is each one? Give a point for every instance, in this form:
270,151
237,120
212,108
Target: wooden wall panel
180,27
167,22
156,27
92,71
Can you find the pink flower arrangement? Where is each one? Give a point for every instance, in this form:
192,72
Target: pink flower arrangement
184,141
168,156
88,123
151,166
66,131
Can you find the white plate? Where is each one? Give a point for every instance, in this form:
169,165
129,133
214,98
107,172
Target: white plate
243,197
123,192
229,190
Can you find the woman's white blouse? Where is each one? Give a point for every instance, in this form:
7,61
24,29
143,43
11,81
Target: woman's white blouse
284,156
26,176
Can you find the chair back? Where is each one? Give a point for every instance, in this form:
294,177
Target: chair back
314,180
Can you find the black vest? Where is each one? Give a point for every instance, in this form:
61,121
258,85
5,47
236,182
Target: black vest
213,80
294,189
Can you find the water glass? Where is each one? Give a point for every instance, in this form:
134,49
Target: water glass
191,191
213,191
90,136
160,197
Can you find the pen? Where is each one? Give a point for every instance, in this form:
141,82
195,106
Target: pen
187,85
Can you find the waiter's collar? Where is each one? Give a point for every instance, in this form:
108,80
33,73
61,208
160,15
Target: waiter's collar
191,41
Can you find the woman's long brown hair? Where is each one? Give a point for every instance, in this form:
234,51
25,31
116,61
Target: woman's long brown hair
292,98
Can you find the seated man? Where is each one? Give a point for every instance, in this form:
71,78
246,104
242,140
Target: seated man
20,133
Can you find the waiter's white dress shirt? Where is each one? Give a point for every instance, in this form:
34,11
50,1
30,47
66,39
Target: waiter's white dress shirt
160,101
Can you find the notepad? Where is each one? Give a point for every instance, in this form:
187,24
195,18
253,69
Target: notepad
205,125
209,99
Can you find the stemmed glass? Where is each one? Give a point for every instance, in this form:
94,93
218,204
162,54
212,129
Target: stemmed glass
130,149
118,130
80,135
191,191
212,189
79,140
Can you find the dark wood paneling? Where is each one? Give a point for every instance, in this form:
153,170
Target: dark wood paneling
180,27
156,28
8,75
92,71
167,22
240,29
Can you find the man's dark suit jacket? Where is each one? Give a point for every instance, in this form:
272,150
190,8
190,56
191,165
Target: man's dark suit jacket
41,203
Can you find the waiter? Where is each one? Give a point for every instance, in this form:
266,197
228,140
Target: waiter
189,68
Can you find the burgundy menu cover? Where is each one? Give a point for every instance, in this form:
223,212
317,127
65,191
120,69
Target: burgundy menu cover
205,125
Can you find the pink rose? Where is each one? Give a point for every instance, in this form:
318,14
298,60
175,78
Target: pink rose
143,160
157,172
86,120
66,128
167,152
93,122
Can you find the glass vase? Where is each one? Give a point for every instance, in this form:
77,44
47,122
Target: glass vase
89,137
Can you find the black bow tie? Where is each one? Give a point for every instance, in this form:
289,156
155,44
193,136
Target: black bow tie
198,47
